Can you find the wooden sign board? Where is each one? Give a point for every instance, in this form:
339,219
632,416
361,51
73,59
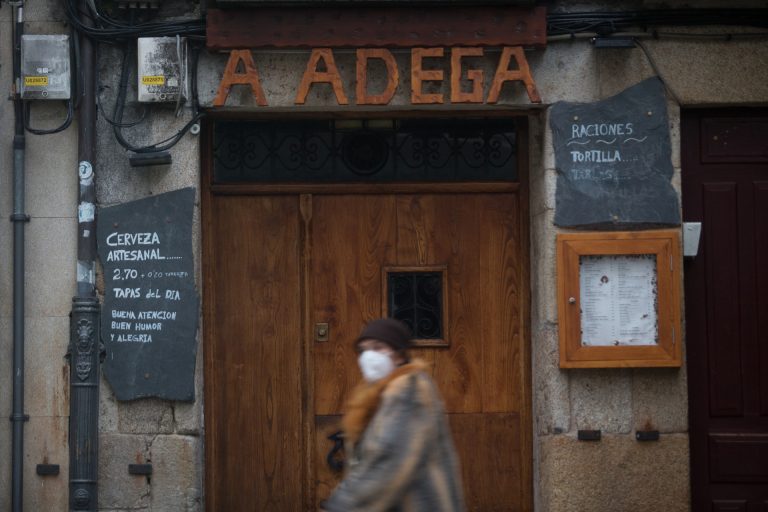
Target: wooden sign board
619,299
375,26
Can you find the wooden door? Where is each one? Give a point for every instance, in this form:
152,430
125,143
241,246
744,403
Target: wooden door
474,239
725,187
280,264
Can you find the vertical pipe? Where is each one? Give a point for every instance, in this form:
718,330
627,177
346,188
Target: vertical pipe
19,218
85,344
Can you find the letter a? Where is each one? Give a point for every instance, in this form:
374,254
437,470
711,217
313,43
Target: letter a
330,76
504,74
232,77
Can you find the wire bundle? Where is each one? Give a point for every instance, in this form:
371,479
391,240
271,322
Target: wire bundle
104,28
109,30
607,23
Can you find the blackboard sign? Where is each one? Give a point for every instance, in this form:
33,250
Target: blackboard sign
613,160
150,312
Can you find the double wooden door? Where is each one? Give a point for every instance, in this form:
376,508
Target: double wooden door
280,268
725,187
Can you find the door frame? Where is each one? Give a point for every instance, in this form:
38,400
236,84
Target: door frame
208,190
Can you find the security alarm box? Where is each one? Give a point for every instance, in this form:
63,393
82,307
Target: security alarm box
162,69
45,67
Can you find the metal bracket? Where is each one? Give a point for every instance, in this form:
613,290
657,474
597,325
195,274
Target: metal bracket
647,435
140,469
20,217
691,236
589,435
47,469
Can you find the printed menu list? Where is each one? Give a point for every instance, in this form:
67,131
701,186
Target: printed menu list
150,311
618,300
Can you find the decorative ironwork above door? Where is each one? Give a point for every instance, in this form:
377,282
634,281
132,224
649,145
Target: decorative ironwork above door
380,150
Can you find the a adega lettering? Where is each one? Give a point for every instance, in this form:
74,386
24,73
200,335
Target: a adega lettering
321,69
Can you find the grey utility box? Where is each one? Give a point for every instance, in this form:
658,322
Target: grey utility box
45,73
162,69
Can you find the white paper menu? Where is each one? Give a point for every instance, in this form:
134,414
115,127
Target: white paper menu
618,300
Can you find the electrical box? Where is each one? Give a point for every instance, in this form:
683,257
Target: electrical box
162,69
45,73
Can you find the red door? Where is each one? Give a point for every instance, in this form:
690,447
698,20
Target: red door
725,187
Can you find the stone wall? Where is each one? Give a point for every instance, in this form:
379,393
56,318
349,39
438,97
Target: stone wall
617,473
51,199
163,433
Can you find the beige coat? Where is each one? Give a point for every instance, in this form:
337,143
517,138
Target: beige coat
399,448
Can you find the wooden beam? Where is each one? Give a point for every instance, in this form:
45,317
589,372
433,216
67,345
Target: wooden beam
391,27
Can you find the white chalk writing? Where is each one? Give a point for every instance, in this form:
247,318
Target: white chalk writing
123,239
593,130
134,255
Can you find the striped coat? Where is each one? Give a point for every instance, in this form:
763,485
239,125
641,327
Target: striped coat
402,457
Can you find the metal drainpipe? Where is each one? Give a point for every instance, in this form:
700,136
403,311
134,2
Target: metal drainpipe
85,338
19,218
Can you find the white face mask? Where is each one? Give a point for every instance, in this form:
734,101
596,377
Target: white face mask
375,365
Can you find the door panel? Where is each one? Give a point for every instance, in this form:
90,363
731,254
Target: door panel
725,171
761,254
253,389
351,236
477,238
722,271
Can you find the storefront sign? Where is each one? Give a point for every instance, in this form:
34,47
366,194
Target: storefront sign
467,84
150,314
613,160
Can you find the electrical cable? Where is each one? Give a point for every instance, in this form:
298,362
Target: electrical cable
100,107
606,23
194,61
178,57
79,76
117,116
108,30
130,124
38,131
730,36
656,70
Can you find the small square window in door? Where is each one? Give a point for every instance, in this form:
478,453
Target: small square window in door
415,296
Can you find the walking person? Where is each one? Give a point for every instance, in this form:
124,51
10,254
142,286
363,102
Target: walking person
400,454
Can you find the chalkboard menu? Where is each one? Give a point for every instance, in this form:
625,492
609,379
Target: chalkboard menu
150,311
613,160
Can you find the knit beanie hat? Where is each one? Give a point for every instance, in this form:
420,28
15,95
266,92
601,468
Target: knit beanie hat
392,332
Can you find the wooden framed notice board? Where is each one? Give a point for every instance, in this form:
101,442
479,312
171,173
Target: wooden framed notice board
619,299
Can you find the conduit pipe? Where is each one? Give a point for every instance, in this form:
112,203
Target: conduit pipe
85,339
19,219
